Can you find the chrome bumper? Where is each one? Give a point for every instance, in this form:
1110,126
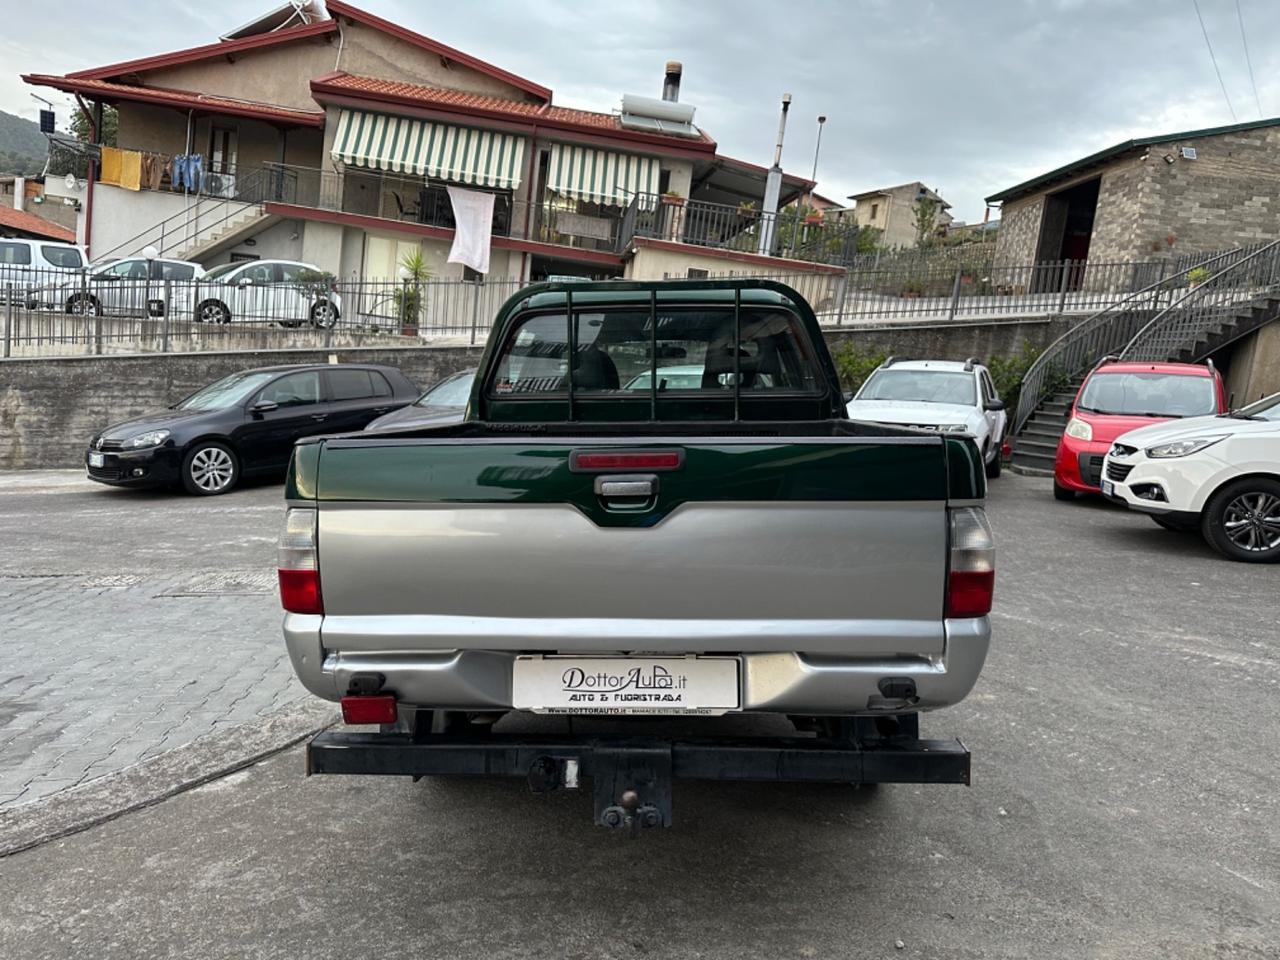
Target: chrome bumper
796,683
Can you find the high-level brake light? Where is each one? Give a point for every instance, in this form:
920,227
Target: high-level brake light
582,461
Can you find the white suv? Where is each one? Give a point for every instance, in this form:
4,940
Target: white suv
29,265
947,396
1218,474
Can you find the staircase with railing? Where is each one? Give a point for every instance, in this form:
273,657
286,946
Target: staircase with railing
1051,382
206,220
1235,300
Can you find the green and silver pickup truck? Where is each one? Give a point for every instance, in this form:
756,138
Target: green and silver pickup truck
653,507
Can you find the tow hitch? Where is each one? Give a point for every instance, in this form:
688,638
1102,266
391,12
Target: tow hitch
632,779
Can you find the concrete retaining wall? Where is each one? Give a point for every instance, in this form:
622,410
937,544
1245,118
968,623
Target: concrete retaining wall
50,408
954,341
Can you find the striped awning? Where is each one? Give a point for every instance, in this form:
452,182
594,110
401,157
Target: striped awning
614,179
376,141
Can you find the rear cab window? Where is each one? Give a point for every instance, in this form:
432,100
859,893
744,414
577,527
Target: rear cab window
617,354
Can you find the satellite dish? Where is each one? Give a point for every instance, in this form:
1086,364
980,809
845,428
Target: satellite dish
70,181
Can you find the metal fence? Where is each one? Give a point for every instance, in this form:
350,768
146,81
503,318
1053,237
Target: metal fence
76,312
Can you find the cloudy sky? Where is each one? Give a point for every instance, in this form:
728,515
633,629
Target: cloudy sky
968,96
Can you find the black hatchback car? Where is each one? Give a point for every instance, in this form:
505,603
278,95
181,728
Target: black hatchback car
244,425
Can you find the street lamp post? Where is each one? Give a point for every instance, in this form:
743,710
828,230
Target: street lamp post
795,228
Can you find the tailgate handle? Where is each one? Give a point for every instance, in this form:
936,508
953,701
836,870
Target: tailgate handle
627,487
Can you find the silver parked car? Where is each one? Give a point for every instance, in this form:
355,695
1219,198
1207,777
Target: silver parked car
443,404
126,287
265,291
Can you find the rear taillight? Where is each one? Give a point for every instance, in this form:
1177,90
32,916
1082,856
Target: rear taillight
296,563
971,569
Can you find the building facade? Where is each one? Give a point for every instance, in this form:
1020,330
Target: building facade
1148,198
892,213
333,136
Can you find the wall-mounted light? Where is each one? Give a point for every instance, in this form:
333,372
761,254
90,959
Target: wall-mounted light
1168,158
251,242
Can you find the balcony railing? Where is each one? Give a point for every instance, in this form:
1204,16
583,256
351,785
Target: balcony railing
792,233
409,199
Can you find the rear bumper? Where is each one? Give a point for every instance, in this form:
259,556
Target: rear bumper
782,682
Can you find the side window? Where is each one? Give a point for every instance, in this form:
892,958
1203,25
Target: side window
349,384
136,270
259,273
294,390
614,353
988,388
15,253
289,271
380,386
67,257
120,270
174,272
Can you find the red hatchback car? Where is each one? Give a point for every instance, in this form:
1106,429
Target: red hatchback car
1118,397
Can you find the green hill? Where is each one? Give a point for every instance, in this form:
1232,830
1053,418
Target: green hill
22,145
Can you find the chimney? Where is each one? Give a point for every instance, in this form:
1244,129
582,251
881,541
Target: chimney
19,193
671,82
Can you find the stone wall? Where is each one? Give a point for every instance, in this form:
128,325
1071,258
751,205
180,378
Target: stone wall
1019,230
953,341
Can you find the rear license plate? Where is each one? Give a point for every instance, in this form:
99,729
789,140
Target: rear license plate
704,686
1108,488
95,459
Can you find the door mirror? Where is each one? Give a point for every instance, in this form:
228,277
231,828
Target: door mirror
264,406
245,282
993,406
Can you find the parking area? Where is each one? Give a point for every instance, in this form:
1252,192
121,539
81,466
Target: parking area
1124,800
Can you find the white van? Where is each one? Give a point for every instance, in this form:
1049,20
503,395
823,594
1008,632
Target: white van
31,264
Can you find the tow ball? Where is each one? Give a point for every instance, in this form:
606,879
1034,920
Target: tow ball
631,787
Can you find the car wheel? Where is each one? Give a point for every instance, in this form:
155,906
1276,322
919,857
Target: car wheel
1242,520
210,468
1177,526
84,305
213,311
994,466
1062,493
324,314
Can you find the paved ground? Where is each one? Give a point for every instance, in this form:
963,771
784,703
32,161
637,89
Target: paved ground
1126,804
132,622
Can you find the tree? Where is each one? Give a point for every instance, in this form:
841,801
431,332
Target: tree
925,214
110,126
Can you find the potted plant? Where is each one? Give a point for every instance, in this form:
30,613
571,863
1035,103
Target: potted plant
748,210
813,217
912,289
408,296
1197,276
672,199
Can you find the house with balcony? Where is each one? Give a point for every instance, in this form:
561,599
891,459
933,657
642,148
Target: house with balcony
332,136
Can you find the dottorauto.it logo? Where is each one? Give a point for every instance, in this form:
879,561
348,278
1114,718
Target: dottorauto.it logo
639,679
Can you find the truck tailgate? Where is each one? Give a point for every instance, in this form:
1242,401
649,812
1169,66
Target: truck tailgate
811,544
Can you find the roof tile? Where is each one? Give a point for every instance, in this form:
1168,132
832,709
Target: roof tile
30,223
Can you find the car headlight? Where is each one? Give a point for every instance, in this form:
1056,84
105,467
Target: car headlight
152,438
1182,448
953,428
1079,430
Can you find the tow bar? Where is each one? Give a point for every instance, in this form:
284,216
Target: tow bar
632,778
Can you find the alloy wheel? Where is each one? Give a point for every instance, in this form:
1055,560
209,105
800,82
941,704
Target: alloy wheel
212,469
323,314
214,313
1252,521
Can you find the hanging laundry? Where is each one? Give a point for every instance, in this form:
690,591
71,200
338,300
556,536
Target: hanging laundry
153,167
109,171
473,214
131,170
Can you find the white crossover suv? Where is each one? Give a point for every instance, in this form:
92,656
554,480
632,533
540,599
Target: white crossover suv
949,396
1219,474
